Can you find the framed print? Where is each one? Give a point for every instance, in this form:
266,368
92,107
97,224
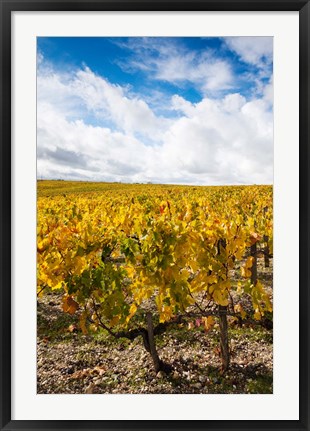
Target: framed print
154,215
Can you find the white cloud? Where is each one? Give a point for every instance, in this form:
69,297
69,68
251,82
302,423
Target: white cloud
218,141
209,74
166,60
180,104
95,152
215,141
254,50
85,93
130,114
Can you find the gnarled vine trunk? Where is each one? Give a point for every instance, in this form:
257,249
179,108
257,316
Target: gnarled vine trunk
151,342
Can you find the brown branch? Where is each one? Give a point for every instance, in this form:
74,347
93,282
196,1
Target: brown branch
262,251
131,334
161,327
231,299
41,290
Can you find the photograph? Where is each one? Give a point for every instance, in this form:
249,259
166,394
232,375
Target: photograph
154,215
155,163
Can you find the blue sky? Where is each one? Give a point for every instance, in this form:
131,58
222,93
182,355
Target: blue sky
166,110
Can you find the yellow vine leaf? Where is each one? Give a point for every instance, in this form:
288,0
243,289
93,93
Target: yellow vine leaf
191,325
208,322
132,311
220,297
69,305
246,268
257,314
239,309
115,320
254,237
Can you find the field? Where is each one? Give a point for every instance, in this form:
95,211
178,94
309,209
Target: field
154,288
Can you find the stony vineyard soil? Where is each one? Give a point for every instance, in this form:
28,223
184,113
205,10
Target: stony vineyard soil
70,362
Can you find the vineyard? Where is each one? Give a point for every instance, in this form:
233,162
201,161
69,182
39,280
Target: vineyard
154,288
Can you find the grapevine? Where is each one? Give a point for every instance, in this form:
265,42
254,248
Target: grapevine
134,259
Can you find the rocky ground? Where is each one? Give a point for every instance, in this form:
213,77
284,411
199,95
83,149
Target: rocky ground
70,362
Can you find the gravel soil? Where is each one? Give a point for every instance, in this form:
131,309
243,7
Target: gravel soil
69,362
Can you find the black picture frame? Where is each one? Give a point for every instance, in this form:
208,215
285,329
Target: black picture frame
9,6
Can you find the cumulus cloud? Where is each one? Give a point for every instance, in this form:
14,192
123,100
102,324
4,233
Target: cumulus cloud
223,140
85,93
95,152
89,128
131,114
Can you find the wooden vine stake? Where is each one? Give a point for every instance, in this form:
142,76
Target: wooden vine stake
254,265
225,356
266,251
223,322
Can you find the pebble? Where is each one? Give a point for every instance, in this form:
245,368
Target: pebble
130,370
196,385
89,389
175,375
202,379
